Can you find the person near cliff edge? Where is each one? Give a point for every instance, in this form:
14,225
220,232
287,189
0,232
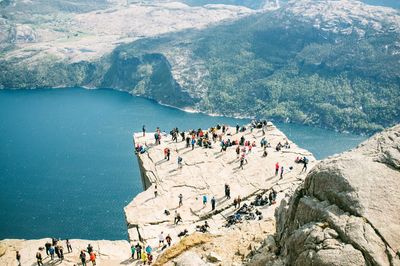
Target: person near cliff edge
82,256
144,130
51,252
47,246
276,169
281,172
39,258
18,257
93,258
305,162
69,247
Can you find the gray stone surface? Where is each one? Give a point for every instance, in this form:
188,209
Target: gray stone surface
348,210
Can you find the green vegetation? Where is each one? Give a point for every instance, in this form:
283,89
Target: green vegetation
270,65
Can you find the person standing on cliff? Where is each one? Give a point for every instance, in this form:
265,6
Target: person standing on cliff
144,130
237,128
51,252
281,172
82,256
180,200
69,247
161,239
204,200
138,251
39,258
213,201
155,191
305,162
93,258
18,257
180,162
276,169
47,246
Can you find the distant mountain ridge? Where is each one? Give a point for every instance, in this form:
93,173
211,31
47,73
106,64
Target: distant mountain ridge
334,64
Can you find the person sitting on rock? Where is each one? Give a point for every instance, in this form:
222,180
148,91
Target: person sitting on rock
168,239
183,233
177,218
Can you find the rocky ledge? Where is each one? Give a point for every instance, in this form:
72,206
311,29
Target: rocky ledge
347,212
205,171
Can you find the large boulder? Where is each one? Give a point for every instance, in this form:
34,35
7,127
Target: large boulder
347,212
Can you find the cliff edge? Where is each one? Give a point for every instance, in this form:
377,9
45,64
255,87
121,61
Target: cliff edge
205,172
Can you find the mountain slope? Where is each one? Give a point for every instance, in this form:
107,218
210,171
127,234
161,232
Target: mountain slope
329,63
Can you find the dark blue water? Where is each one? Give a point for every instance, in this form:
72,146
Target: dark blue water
66,162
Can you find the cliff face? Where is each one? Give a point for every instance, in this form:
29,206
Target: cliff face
348,210
205,171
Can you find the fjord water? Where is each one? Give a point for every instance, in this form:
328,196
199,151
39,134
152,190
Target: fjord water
67,166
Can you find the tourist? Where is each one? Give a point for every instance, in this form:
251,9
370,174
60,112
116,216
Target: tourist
281,172
39,258
144,130
57,251
138,251
177,218
155,191
169,240
193,142
92,257
305,162
144,257
204,200
51,251
148,249
161,239
47,246
242,160
180,200
276,169
238,201
237,128
61,252
235,202
187,142
213,201
82,256
265,153
149,259
237,151
89,249
133,250
180,162
18,257
69,247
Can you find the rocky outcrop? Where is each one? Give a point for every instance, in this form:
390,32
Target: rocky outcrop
348,210
205,171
